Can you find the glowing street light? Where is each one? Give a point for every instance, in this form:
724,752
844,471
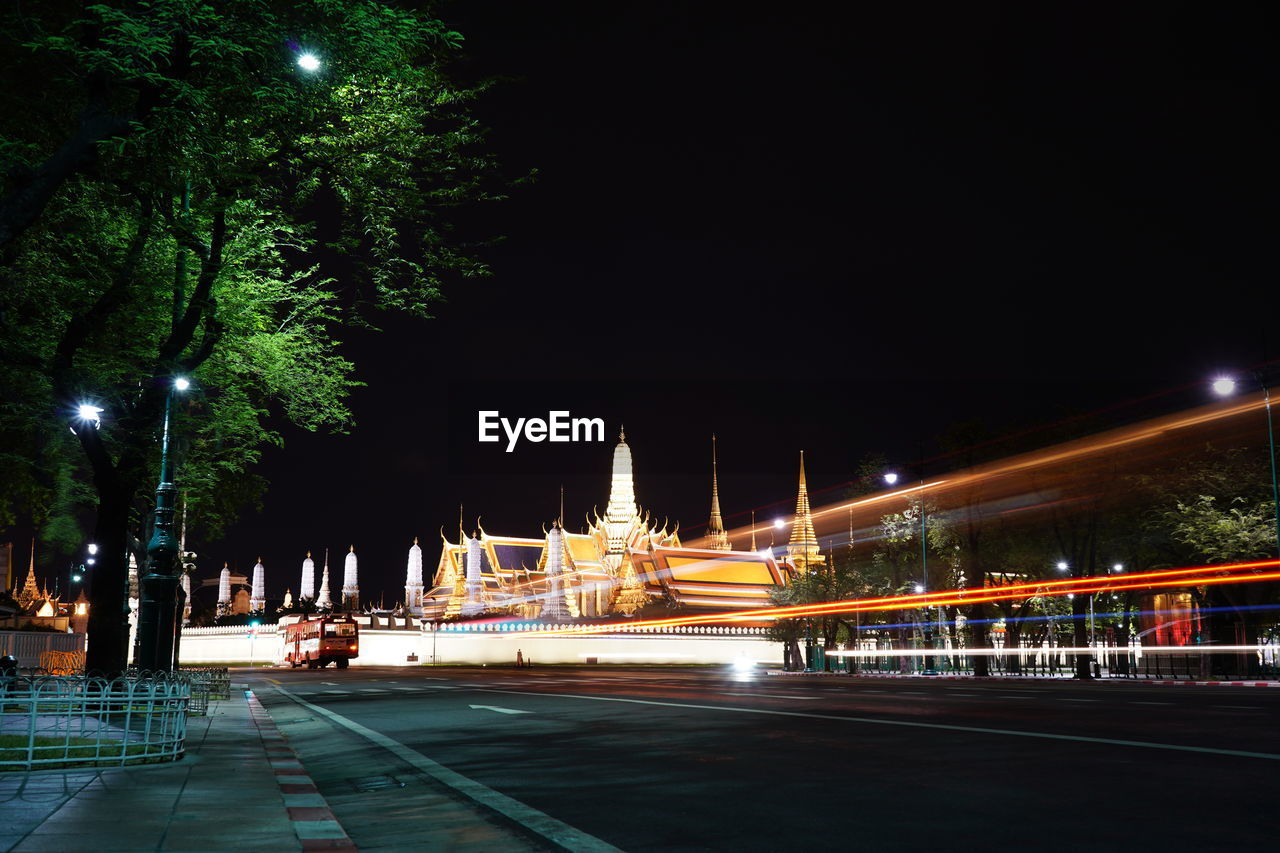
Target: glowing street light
891,478
93,548
1062,565
779,523
309,62
90,413
1225,386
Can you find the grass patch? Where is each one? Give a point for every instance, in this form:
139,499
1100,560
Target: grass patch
71,752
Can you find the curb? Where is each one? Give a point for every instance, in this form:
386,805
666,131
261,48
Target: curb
313,822
1026,679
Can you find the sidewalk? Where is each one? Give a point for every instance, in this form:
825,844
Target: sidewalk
239,787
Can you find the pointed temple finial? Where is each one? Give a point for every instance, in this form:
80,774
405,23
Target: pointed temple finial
561,522
717,538
622,433
753,530
803,548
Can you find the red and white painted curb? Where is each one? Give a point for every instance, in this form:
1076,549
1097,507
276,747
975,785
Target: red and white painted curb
313,822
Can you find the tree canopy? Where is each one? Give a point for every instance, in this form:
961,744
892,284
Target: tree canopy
180,196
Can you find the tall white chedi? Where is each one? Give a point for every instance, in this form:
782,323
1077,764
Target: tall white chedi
473,598
324,601
224,590
258,595
350,582
413,580
307,589
554,608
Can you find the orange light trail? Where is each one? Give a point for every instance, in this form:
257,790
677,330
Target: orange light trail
1198,576
1037,471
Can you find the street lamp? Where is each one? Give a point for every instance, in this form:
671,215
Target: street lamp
156,616
309,62
1224,386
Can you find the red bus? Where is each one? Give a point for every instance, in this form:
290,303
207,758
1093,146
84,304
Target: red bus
317,640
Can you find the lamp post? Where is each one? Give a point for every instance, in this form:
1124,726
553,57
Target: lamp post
156,613
1225,386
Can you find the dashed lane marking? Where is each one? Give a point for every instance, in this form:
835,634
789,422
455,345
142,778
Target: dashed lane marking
731,709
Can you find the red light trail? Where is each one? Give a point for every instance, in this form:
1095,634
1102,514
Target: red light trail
1197,576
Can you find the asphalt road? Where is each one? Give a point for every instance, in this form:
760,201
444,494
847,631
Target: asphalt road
701,759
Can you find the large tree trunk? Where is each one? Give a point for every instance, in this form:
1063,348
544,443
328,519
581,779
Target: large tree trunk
1080,636
981,639
109,608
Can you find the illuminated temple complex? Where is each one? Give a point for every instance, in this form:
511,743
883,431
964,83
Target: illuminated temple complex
620,563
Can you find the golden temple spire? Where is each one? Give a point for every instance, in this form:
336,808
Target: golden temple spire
803,547
753,530
717,538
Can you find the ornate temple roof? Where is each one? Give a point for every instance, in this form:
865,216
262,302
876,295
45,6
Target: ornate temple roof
703,578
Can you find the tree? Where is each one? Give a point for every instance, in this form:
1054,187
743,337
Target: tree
181,198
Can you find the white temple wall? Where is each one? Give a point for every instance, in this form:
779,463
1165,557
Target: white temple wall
394,647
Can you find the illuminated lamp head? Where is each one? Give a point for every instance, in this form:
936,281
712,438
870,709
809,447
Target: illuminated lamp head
891,478
1224,386
309,62
1062,565
90,413
181,383
779,523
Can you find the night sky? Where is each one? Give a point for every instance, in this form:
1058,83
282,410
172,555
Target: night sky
837,229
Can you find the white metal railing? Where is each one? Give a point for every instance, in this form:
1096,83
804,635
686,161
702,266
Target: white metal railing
71,721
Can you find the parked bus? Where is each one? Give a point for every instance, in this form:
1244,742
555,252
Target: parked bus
318,639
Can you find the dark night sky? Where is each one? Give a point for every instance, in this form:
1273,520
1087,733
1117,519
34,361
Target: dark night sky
837,229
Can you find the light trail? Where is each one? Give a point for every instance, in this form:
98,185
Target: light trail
1031,651
1197,576
1116,448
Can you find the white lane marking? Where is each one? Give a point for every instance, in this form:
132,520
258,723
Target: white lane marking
337,692
372,690
912,725
499,710
556,831
404,688
330,683
1136,702
776,696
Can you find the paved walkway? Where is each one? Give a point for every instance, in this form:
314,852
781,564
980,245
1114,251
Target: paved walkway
232,791
240,786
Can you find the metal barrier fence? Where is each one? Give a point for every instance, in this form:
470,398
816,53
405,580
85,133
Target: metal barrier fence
62,663
72,721
1260,662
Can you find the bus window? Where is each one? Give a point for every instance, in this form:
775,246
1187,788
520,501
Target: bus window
340,630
